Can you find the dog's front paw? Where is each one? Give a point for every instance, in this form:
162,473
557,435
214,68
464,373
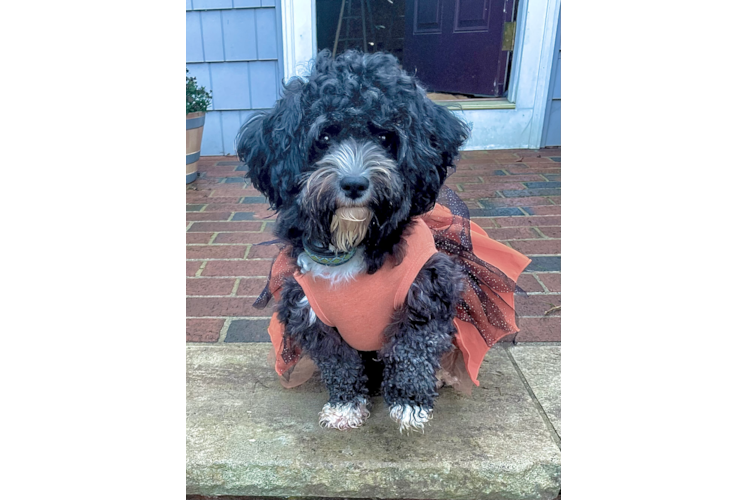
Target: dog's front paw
410,416
344,416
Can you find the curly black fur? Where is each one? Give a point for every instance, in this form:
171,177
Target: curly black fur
421,334
365,96
341,365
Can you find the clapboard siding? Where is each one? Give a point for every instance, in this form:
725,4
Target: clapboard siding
234,50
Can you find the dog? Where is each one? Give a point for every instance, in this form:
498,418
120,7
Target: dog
351,158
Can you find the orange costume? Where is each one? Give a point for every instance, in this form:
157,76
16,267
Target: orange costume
362,308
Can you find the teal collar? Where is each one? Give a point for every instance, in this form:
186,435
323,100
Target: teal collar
326,257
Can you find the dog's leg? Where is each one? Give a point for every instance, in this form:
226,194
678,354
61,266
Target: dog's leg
421,333
341,365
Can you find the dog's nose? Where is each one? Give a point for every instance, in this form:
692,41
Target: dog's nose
354,186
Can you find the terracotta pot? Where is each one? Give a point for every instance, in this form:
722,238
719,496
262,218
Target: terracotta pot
195,122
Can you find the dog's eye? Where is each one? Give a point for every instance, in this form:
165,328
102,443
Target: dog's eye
382,137
325,138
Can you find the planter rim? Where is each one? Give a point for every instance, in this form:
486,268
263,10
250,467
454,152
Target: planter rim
195,114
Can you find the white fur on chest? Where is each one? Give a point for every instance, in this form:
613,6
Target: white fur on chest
334,274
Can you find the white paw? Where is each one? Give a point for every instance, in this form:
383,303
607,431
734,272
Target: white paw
410,417
343,416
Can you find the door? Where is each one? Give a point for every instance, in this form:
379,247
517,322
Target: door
456,45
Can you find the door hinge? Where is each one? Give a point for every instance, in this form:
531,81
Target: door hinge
508,40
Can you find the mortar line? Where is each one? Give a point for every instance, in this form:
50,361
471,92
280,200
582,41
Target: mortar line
534,398
235,287
224,331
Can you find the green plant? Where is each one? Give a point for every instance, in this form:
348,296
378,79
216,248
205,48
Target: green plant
198,99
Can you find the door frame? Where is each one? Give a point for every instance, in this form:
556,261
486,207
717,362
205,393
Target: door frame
518,125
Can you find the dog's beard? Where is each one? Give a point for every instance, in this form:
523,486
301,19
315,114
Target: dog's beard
349,227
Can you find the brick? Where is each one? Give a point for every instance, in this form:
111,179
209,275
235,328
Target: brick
543,210
511,193
542,263
261,210
237,268
535,159
210,286
243,216
555,199
204,330
481,193
466,155
224,306
553,177
213,216
236,180
228,163
513,202
225,207
539,330
535,169
248,330
512,233
504,181
528,283
198,237
557,159
254,199
192,267
547,220
485,223
242,168
194,208
537,247
469,188
214,227
552,281
251,286
243,237
495,212
550,232
263,252
216,251
536,305
221,171
548,184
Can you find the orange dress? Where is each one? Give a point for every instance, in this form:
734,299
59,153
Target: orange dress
361,308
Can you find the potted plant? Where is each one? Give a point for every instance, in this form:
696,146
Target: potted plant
198,100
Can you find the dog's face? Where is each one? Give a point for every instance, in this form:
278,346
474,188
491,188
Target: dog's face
350,155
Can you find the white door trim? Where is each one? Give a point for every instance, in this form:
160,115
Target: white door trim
299,34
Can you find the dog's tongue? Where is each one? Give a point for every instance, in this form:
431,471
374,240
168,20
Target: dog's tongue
357,214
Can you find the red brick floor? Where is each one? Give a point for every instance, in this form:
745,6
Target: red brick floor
514,194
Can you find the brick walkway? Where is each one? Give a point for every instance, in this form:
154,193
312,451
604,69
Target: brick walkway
514,194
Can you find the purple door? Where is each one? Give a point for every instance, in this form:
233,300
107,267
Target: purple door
456,45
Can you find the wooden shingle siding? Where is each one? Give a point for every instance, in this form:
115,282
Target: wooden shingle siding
234,50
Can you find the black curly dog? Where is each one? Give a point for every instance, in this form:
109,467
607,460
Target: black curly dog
363,104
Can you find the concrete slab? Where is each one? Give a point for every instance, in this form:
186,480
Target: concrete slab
541,367
246,435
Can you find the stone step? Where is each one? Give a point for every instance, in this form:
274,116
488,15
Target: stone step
248,436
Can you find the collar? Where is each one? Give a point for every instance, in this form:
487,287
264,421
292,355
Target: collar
326,257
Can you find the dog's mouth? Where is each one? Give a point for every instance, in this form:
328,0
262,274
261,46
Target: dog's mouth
349,227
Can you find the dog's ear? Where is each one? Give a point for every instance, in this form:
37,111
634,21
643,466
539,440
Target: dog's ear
447,134
434,136
269,143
